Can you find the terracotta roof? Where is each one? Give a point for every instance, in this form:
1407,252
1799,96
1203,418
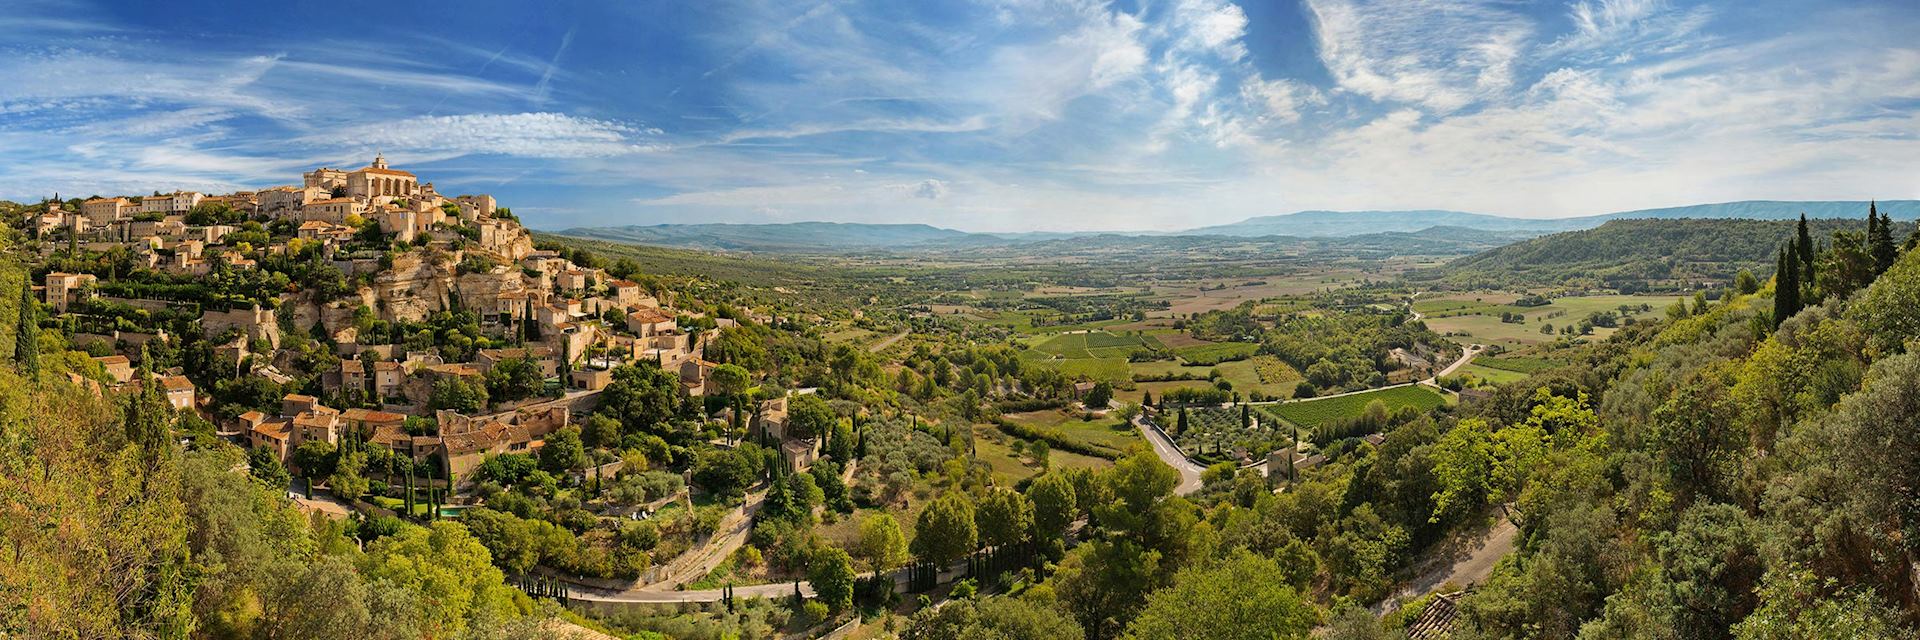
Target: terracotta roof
276,429
298,398
331,201
314,224
110,360
176,383
369,415
316,419
253,416
384,172
455,369
352,366
647,315
622,283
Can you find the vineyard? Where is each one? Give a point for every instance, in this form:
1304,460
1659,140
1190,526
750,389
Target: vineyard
1314,413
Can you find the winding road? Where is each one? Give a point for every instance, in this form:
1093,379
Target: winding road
1163,447
1190,470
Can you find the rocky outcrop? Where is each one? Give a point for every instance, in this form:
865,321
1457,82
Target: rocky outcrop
415,286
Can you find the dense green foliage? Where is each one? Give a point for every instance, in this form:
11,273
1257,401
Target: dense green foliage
1630,255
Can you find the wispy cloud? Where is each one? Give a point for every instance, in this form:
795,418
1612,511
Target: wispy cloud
996,114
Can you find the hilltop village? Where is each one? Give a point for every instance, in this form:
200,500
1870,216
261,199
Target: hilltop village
392,315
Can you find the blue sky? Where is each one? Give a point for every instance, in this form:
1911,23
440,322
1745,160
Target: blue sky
991,115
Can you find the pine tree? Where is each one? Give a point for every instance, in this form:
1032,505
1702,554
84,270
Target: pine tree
27,334
1880,239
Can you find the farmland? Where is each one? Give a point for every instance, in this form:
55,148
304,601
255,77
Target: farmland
1476,317
1213,433
1313,413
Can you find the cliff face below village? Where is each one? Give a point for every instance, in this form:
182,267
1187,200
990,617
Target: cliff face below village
424,282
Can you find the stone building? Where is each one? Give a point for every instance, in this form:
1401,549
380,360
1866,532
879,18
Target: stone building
376,180
64,289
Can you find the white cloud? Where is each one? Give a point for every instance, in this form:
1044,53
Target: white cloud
930,189
1213,25
1442,56
533,135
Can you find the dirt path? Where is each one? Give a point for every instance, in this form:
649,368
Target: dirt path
1471,564
697,563
888,342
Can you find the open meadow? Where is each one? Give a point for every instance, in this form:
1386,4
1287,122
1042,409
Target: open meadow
1475,318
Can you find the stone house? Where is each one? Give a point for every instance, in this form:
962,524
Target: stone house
101,212
179,391
118,367
65,289
332,210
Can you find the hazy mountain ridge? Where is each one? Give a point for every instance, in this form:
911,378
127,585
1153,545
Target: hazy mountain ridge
853,236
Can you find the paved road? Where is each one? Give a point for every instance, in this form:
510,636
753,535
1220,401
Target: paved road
1466,356
1189,470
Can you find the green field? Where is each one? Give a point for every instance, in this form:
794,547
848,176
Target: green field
1312,413
1096,344
1113,370
1106,432
1489,374
1224,351
1517,364
995,449
1472,321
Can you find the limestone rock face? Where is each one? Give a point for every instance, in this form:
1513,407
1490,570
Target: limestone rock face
254,323
416,286
480,292
507,239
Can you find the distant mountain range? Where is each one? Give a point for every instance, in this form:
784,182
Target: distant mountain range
807,237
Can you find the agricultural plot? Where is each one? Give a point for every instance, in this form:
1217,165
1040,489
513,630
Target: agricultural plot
1517,364
1095,344
1009,467
1213,433
1217,353
1112,370
1105,432
1469,320
1310,414
1489,374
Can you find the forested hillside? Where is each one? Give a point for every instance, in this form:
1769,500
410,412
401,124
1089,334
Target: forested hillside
1632,255
122,519
1749,468
1735,480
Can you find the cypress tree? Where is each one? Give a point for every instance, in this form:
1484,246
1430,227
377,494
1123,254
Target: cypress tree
27,334
1786,294
1880,239
1804,243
